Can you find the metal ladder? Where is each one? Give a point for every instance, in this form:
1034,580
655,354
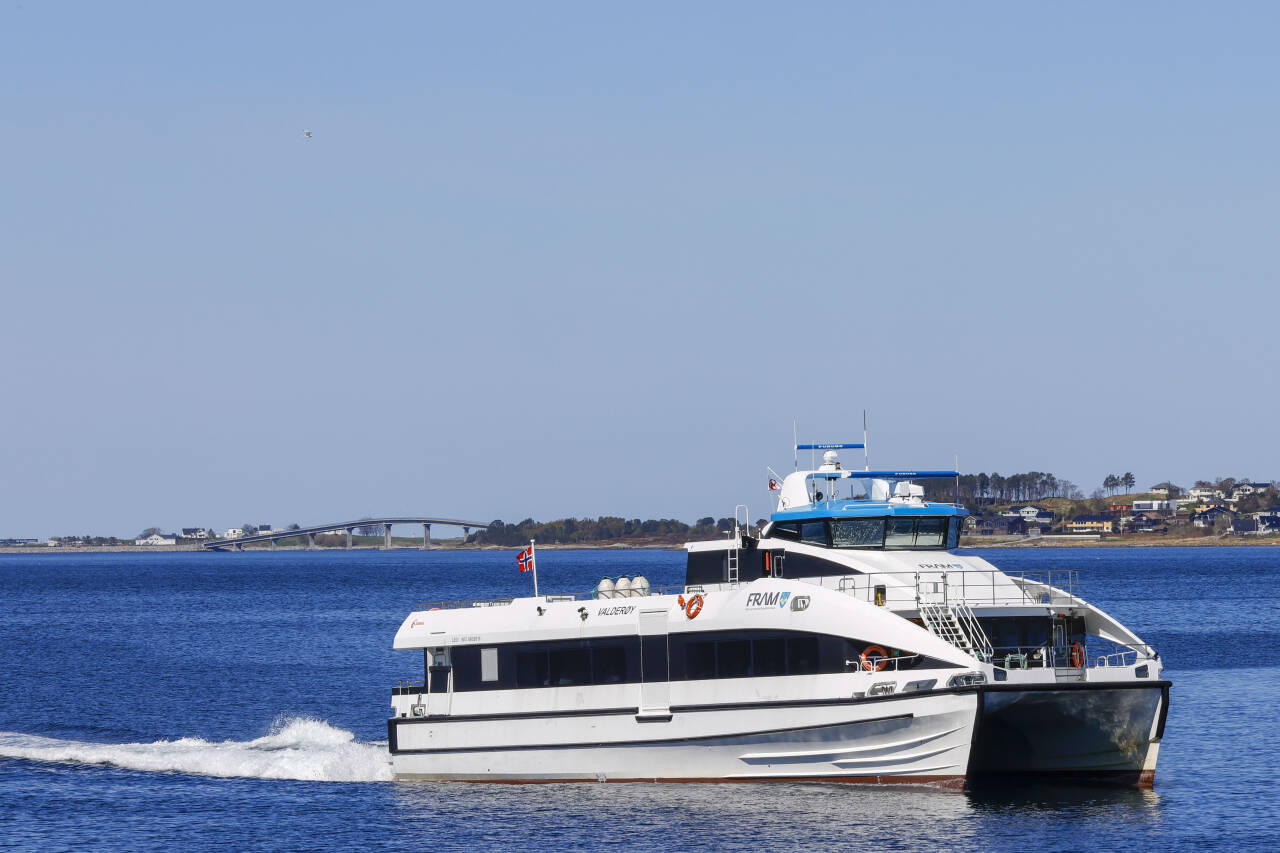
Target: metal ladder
955,623
939,619
979,645
737,540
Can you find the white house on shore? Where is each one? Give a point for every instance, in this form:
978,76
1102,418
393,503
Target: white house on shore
233,533
156,539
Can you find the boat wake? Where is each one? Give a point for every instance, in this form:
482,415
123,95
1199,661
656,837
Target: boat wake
296,748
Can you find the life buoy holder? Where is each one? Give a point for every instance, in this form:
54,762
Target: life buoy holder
870,664
693,607
1077,655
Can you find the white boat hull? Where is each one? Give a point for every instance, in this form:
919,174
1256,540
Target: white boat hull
921,739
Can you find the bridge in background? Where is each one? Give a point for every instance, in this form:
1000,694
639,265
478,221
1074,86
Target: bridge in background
349,527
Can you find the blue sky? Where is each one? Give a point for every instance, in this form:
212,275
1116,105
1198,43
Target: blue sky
575,259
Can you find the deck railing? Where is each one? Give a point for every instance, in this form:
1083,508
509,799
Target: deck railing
973,587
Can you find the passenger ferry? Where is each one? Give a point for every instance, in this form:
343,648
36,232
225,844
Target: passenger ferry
846,641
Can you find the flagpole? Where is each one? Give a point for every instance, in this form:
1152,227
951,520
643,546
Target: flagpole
533,558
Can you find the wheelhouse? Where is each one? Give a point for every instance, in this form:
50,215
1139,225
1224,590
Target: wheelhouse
877,532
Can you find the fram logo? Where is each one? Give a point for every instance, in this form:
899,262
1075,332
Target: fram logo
760,600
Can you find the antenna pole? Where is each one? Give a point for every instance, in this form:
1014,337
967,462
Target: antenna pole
866,448
795,446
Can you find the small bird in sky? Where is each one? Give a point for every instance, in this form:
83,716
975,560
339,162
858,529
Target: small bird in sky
307,134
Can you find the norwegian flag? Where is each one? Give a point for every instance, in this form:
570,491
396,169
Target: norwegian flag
774,485
525,559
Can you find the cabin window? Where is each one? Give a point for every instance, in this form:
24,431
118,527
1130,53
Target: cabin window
617,660
802,655
740,654
733,659
785,530
700,660
902,533
489,664
930,532
608,665
922,532
769,656
814,533
857,532
705,567
531,669
570,666
605,660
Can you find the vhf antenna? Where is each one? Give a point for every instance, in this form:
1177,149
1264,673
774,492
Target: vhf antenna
866,448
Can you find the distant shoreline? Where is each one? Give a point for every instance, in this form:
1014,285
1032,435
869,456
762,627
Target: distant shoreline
967,543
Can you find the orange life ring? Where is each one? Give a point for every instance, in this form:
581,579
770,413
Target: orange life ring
1077,656
873,665
694,607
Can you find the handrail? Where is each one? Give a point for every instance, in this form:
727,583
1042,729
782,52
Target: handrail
1048,656
974,587
551,598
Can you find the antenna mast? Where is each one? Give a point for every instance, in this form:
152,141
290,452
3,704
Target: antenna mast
866,451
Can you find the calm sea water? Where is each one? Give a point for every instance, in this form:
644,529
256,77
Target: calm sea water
239,701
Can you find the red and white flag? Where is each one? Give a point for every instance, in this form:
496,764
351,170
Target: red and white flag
774,485
525,559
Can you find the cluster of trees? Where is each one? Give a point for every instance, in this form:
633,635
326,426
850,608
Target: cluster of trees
1114,482
975,489
90,540
602,529
1259,501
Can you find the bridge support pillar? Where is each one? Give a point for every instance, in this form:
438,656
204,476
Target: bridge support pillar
348,538
426,537
466,532
311,541
273,544
386,537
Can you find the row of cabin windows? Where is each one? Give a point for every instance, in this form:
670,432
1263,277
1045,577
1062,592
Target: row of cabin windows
683,657
916,532
1008,632
704,567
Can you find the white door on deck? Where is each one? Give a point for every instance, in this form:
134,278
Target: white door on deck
655,688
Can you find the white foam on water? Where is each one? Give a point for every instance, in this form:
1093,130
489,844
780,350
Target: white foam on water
296,748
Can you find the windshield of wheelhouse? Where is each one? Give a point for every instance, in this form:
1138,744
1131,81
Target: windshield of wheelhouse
902,533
